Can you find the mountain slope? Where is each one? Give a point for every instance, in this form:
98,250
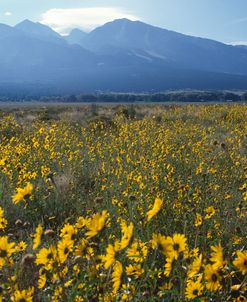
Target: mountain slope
39,31
76,36
172,47
24,57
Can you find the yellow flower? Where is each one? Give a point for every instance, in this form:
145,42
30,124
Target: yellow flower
155,209
96,224
68,232
68,283
25,295
165,243
195,267
210,211
134,270
217,257
138,251
178,244
80,247
194,289
198,220
241,298
21,246
46,257
168,266
64,247
127,232
109,258
194,252
81,222
37,236
6,250
42,281
117,276
79,299
241,261
22,193
3,221
212,278
57,294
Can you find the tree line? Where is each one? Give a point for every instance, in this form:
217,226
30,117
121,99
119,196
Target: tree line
174,96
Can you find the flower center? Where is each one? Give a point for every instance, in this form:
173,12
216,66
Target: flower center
214,278
49,256
3,253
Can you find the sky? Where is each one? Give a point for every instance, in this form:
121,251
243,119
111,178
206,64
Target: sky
222,20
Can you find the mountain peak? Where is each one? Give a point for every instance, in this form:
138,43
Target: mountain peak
34,26
27,25
122,21
26,21
39,30
77,30
76,36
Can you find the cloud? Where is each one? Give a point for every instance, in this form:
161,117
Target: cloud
7,14
63,20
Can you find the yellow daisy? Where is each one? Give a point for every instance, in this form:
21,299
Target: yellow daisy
37,236
117,276
178,244
64,247
109,258
241,261
194,289
195,266
155,209
217,257
6,250
212,278
96,224
22,193
25,295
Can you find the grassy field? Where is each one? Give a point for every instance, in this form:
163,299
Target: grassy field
123,203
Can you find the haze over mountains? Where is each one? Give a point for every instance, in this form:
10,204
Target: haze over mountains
122,55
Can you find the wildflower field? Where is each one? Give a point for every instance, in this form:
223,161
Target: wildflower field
124,204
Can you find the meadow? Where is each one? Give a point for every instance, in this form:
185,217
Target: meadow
123,203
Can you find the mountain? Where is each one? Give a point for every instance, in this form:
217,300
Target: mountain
180,50
7,31
76,36
30,59
39,31
242,46
122,55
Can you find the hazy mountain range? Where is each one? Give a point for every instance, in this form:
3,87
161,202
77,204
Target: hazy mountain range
122,55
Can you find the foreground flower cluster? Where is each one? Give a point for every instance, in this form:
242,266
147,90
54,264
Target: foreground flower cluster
75,264
129,210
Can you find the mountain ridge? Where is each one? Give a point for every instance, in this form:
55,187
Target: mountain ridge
121,55
39,30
